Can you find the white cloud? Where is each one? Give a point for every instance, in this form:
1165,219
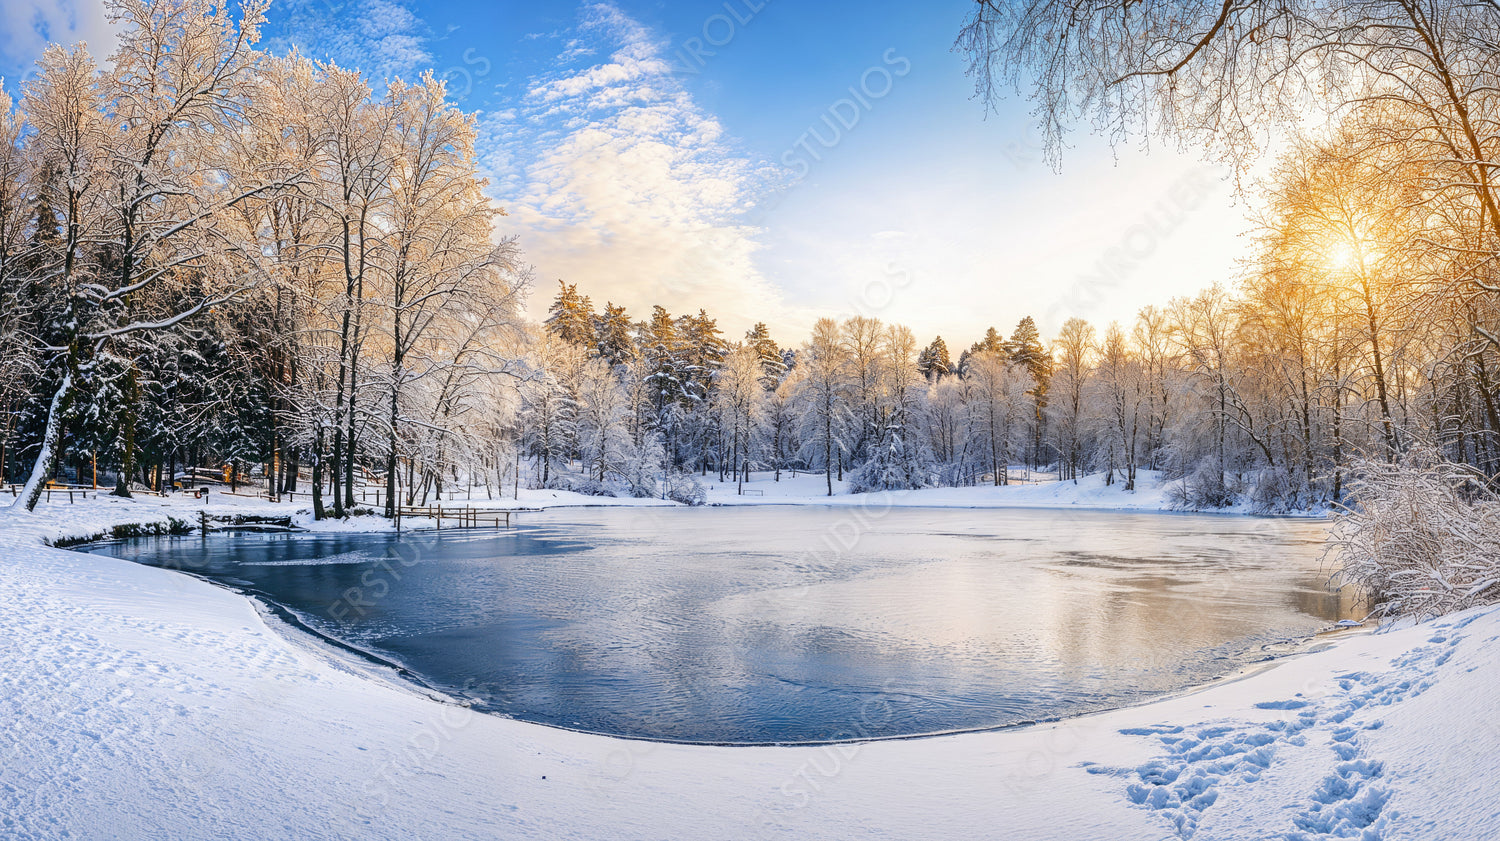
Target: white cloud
384,38
27,26
617,180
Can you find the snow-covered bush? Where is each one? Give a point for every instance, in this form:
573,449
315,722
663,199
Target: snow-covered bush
1204,489
564,481
685,488
556,481
643,466
1279,491
897,463
951,475
591,487
1420,538
640,484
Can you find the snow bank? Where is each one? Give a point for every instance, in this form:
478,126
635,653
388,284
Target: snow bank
139,703
98,517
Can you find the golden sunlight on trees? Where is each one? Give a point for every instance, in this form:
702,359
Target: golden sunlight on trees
1367,329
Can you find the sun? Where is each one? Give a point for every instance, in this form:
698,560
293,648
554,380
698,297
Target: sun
1343,254
1340,256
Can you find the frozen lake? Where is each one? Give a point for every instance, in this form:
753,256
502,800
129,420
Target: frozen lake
795,624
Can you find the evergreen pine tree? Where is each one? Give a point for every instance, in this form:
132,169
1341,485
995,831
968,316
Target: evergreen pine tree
772,365
615,335
933,362
704,349
992,342
571,316
661,347
1027,352
1025,348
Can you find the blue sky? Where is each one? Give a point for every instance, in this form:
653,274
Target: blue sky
769,160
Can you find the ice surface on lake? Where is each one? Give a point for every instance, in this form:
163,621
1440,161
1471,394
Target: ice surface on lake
362,556
798,624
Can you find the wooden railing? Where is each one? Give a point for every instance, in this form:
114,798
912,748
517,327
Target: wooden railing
498,518
460,518
80,491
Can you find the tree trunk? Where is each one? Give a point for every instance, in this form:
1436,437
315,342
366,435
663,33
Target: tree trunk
1387,425
740,489
127,423
46,458
828,447
390,459
351,440
317,475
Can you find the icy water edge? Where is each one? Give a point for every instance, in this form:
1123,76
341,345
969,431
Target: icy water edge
795,624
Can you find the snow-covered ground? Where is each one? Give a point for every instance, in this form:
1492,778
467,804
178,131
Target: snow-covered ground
1152,493
1088,492
97,515
139,703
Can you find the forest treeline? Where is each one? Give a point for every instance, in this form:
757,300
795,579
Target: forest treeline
214,256
1265,394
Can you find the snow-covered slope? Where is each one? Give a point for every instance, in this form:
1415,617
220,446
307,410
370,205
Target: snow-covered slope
140,703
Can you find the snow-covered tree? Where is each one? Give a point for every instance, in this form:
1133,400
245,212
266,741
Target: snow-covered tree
1123,389
571,317
1026,350
934,362
1072,365
780,423
823,394
132,161
773,365
615,335
604,443
738,395
998,400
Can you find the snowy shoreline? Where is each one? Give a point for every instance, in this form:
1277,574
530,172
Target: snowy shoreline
87,521
299,631
120,683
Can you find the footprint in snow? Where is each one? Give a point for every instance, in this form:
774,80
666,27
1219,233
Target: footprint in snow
1348,802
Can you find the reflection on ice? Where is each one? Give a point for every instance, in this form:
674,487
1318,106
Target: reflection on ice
798,624
362,556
